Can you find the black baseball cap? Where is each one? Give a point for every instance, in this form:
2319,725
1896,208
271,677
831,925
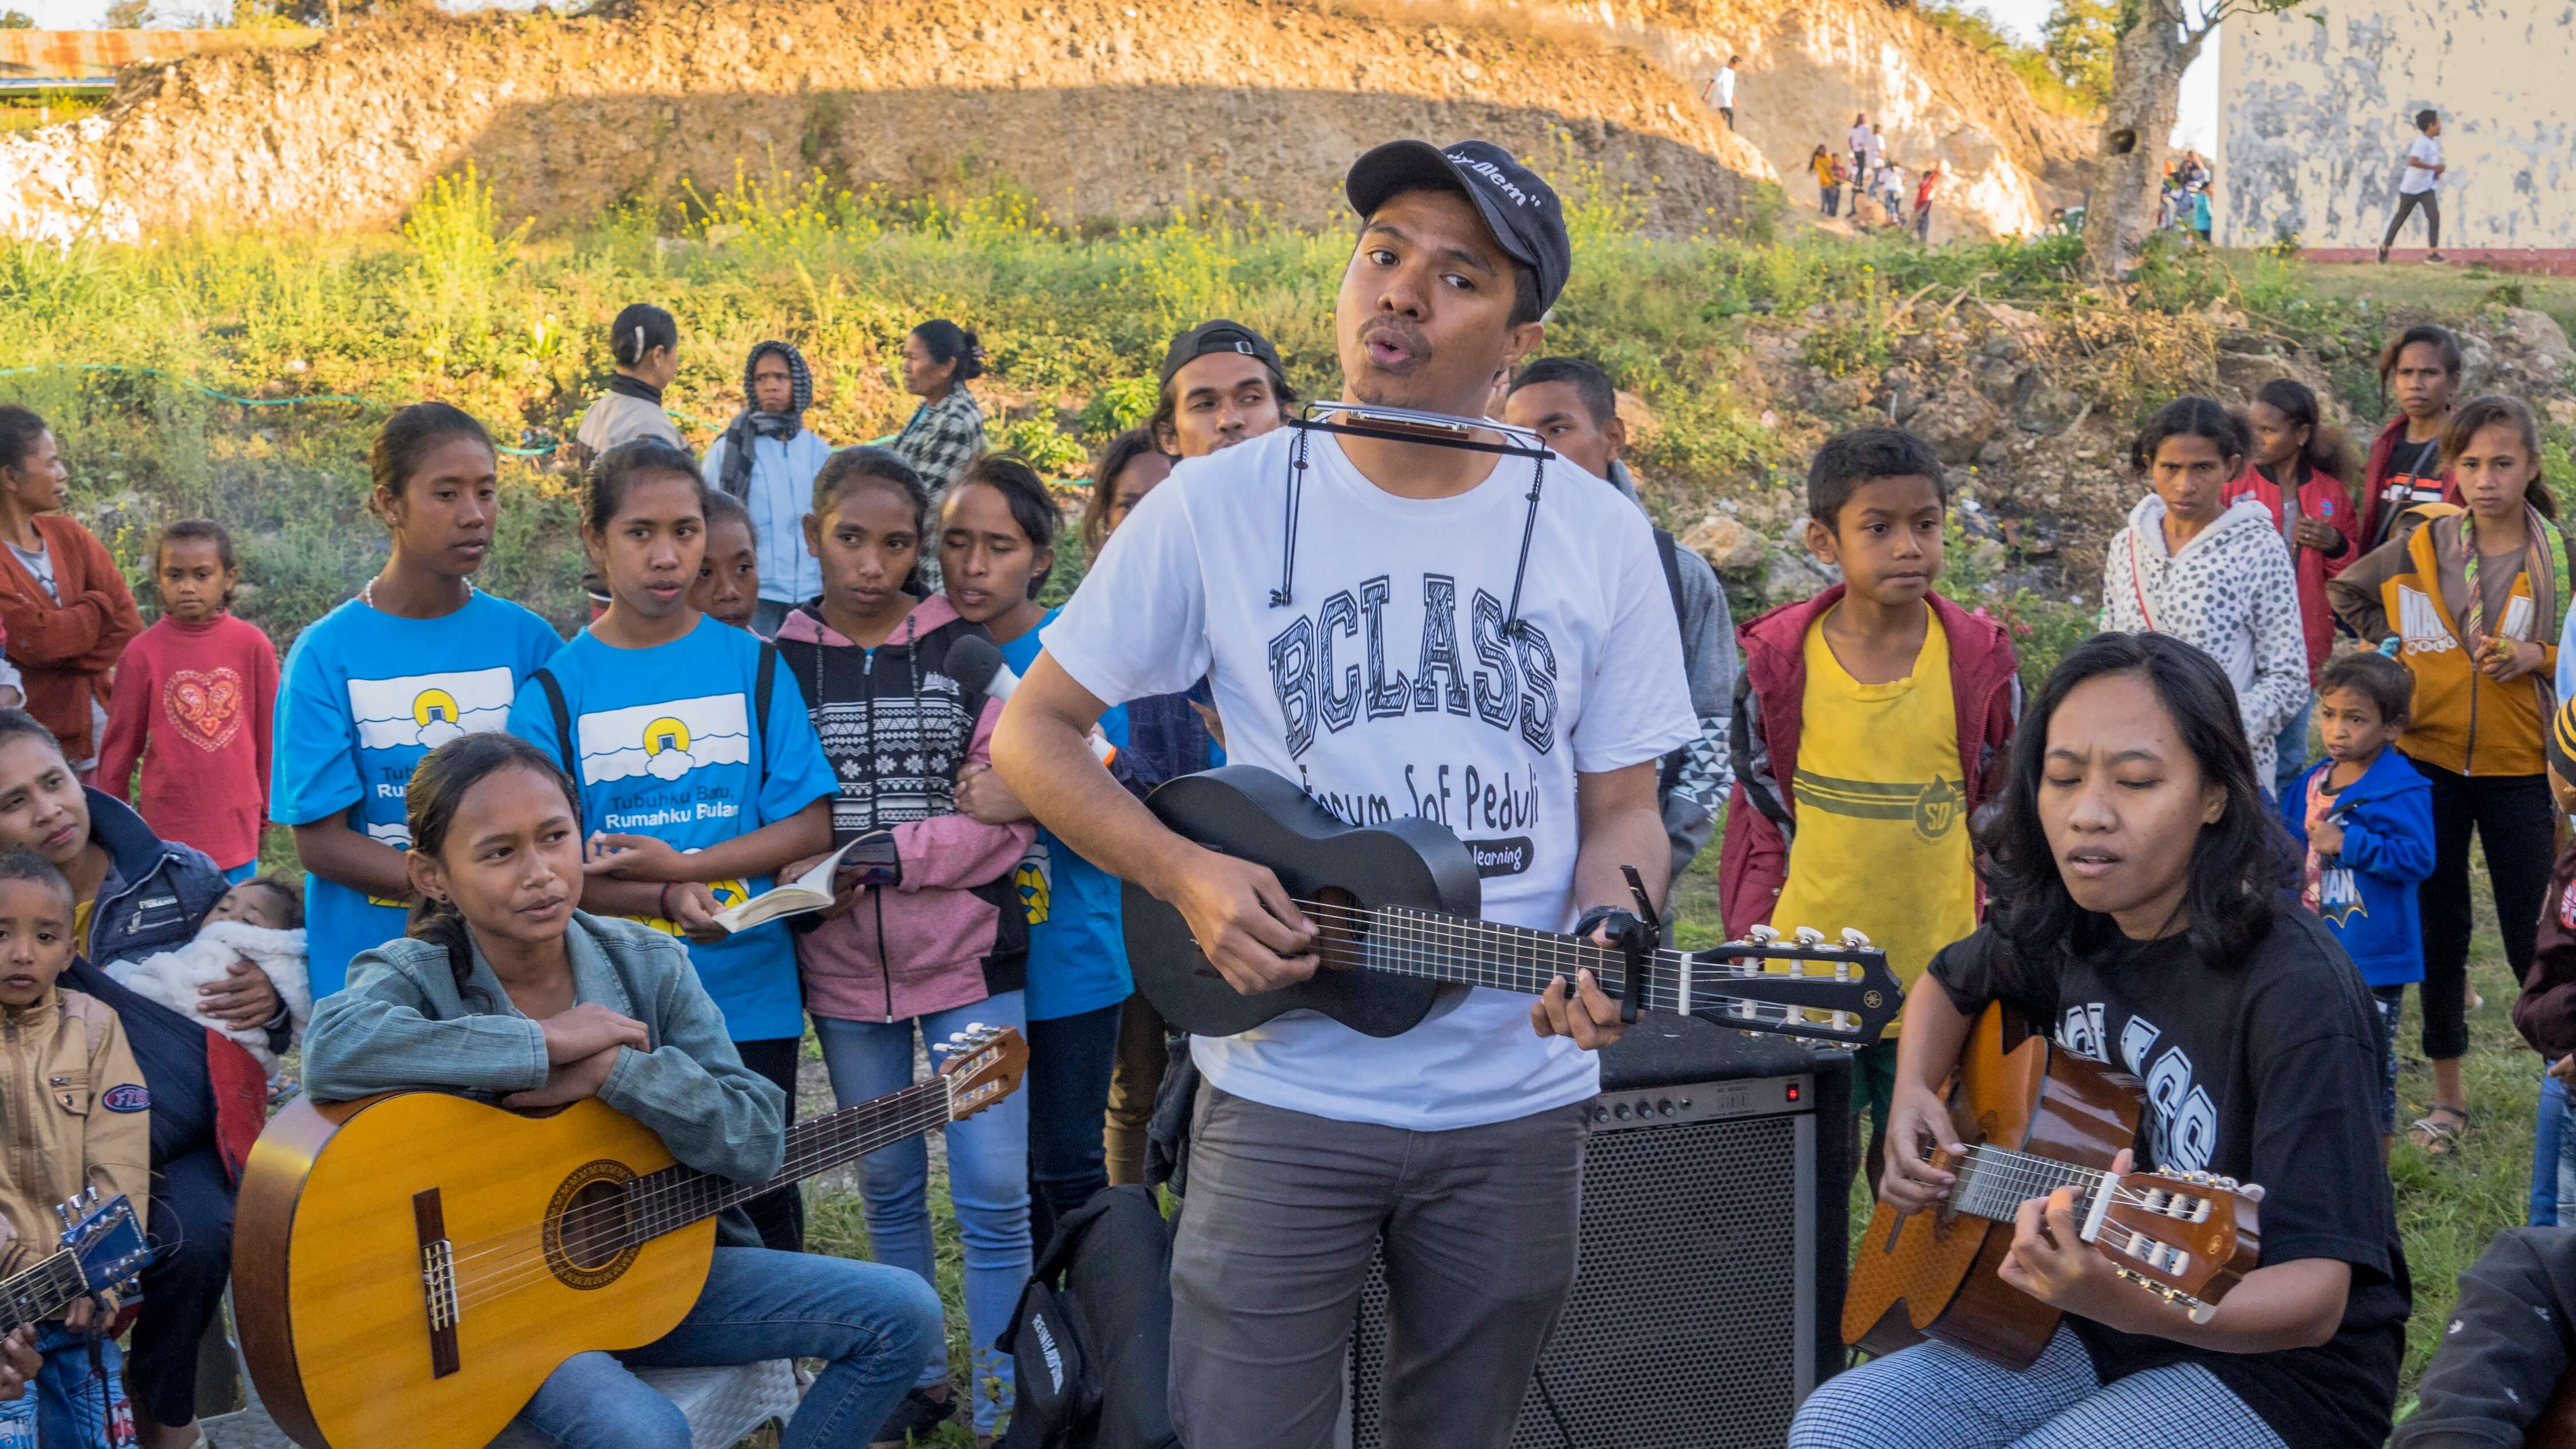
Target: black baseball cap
1519,209
1219,335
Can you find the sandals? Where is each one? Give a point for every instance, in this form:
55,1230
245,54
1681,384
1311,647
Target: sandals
2436,1138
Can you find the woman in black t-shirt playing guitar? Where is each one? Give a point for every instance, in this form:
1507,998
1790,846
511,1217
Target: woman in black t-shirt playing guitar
2139,920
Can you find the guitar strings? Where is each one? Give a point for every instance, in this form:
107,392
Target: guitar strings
823,1136
511,1277
815,1130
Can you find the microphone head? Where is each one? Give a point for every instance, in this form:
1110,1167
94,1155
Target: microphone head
973,662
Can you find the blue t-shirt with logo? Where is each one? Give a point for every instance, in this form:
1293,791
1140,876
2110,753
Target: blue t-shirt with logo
668,743
365,695
1077,933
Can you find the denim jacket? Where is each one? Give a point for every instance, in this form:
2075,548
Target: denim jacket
401,1024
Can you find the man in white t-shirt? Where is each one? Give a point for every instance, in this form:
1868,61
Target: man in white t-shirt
1720,90
2415,190
1860,139
1401,630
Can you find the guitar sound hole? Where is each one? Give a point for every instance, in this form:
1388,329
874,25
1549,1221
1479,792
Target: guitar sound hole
594,1225
1340,926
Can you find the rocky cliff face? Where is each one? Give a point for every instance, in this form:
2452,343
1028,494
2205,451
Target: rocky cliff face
1105,109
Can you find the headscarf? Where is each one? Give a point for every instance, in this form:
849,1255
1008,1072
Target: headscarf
751,423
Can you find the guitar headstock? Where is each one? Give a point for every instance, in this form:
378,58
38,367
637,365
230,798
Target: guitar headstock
1841,993
2185,1237
985,1064
104,1239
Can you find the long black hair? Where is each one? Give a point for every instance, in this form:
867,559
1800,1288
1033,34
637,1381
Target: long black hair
1033,508
2240,863
947,342
438,786
2327,451
19,430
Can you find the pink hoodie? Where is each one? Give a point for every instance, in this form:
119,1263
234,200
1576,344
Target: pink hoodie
941,938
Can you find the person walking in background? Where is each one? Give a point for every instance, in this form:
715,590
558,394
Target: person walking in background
2420,371
1857,142
1570,403
1720,90
2416,190
2296,465
947,430
194,706
1829,177
1923,191
2477,596
2364,816
932,942
767,458
63,600
1877,692
2210,573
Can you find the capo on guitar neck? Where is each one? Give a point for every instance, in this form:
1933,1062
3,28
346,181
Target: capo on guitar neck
1638,945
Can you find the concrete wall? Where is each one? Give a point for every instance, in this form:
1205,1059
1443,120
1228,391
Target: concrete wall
2316,109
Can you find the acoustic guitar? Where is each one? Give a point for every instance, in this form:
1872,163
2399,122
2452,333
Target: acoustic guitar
408,1268
2035,1119
1395,906
102,1250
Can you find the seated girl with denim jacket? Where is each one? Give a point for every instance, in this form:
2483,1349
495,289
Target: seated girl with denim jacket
507,991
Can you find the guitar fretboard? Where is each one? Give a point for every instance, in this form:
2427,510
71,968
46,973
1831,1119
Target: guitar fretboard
39,1293
1994,1182
675,1197
1408,942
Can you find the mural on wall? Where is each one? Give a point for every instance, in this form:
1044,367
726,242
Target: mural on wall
2317,110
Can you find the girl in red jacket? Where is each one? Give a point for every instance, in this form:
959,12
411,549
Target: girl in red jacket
62,599
2289,447
195,696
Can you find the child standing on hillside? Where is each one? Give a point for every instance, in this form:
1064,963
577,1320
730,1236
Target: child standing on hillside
2210,573
945,940
2366,817
2477,596
2420,372
195,696
62,599
1869,722
2295,468
82,1120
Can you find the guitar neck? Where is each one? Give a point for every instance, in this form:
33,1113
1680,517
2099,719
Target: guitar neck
1994,1182
41,1292
675,1197
1502,957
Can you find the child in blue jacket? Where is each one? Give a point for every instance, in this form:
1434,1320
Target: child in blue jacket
2366,818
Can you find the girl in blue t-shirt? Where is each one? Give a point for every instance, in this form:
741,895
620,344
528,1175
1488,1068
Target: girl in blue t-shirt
700,774
996,547
418,658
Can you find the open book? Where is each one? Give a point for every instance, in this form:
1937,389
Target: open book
811,891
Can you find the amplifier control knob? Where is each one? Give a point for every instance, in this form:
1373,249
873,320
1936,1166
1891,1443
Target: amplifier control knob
1600,1114
1664,1108
1621,1112
1685,1104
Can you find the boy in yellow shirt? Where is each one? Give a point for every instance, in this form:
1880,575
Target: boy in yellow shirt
1870,722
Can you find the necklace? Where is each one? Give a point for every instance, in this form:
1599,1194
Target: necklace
367,594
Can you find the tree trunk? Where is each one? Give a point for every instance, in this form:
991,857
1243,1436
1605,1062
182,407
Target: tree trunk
2137,132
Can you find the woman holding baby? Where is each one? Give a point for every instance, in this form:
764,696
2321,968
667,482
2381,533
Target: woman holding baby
135,898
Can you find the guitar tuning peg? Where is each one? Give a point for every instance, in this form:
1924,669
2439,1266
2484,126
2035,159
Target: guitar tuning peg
1809,936
63,1210
977,1028
2251,1192
2226,1184
1854,939
1762,935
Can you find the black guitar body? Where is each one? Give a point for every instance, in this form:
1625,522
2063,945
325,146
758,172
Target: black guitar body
1254,814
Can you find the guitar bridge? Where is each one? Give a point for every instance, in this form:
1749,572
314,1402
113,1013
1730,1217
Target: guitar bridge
438,1281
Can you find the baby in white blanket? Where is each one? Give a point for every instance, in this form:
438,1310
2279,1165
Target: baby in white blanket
259,921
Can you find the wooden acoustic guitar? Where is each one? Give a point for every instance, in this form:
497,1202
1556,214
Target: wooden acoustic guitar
2035,1119
408,1268
1395,906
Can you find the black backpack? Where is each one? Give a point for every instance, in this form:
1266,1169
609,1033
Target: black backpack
1092,1339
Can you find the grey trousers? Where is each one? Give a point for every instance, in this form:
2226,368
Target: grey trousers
1284,1211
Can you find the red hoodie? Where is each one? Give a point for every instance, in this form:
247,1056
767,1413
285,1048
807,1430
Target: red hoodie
194,703
2377,479
1770,705
2324,498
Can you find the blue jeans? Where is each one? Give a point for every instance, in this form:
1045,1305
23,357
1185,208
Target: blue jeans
1068,1090
63,1408
2546,1150
869,1322
2290,748
988,1185
2391,1004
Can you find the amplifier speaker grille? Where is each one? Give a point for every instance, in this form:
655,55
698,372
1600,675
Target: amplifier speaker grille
1687,1319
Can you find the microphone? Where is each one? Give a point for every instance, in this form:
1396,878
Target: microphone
977,667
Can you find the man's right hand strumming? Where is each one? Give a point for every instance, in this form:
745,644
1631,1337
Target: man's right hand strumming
1243,920
1917,1116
